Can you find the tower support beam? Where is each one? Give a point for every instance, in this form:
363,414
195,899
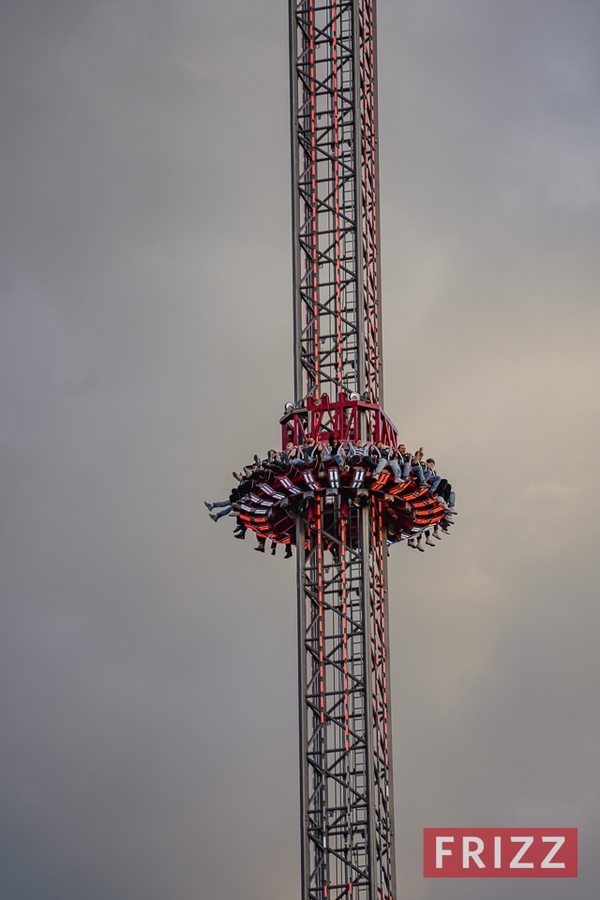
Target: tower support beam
335,198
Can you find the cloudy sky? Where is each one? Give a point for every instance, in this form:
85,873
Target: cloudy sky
148,743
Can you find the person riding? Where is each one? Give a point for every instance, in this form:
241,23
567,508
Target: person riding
334,452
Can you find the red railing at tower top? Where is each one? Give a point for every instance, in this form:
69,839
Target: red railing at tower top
323,418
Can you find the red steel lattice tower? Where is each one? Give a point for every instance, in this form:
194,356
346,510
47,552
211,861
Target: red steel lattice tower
347,821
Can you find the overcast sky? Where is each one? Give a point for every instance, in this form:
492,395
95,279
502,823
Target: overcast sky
148,736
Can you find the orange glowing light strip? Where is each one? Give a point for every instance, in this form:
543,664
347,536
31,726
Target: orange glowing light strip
319,523
336,175
374,188
313,181
383,647
345,631
381,666
369,176
376,617
380,658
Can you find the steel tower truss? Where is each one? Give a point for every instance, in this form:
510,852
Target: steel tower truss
345,735
335,174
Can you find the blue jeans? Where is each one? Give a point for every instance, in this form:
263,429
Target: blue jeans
420,476
394,466
227,508
433,482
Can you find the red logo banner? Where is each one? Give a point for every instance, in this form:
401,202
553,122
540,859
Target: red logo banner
500,852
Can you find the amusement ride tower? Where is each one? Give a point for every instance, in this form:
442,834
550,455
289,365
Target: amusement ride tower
340,513
347,820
